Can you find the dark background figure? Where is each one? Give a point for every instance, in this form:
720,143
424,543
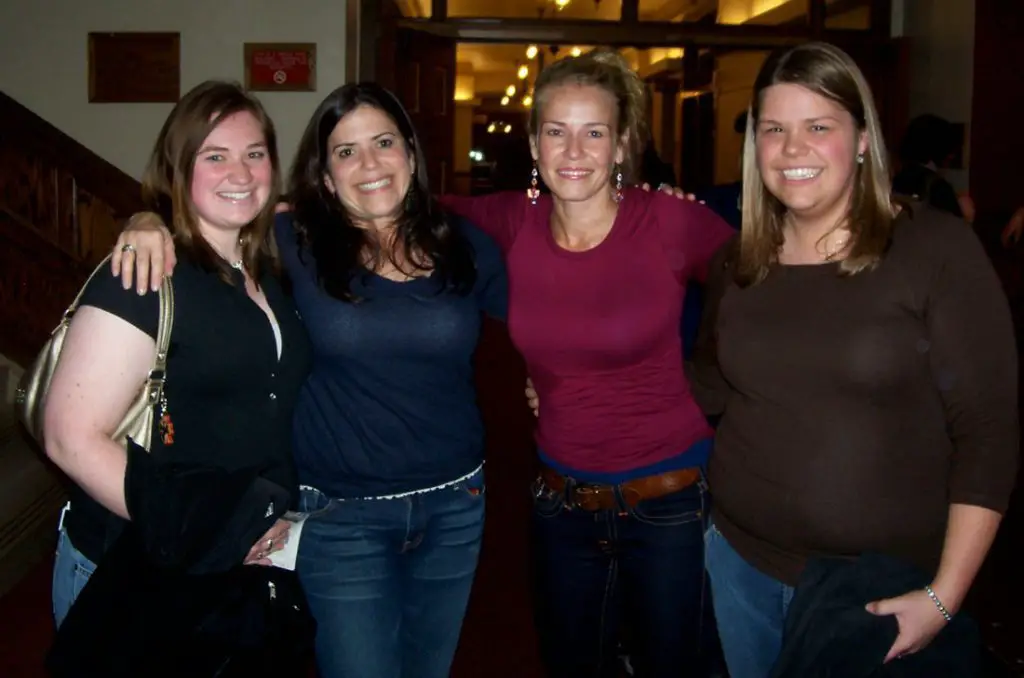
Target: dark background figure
724,200
654,170
928,146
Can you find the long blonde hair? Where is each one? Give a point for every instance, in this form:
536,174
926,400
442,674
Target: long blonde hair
608,70
827,71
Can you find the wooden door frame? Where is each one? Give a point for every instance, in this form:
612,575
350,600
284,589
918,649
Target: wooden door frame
364,18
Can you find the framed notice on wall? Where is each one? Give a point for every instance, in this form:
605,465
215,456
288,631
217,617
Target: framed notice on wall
280,66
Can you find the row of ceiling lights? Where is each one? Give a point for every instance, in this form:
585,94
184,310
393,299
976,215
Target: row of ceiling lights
523,72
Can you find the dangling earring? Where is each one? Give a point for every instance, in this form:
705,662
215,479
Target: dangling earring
618,185
533,192
860,158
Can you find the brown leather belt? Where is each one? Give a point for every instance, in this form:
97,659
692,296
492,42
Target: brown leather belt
597,497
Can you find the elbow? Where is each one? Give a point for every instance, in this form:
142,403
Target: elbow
56,443
60,437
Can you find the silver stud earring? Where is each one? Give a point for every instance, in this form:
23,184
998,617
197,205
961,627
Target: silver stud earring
860,158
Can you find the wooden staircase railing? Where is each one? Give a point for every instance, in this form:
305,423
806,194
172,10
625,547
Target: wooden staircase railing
61,208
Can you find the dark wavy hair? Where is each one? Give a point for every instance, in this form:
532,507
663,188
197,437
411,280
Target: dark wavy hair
424,236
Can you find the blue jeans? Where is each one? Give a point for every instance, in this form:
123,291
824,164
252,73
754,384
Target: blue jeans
750,607
640,570
388,580
71,571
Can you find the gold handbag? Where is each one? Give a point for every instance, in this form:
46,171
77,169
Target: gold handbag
137,423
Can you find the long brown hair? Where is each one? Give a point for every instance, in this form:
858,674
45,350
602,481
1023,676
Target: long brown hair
608,70
167,180
827,71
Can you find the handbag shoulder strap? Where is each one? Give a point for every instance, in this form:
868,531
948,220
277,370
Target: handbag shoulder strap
81,290
166,322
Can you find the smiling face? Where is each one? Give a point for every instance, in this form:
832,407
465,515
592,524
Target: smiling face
370,168
807,147
577,144
232,175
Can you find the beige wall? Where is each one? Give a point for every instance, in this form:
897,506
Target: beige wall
44,55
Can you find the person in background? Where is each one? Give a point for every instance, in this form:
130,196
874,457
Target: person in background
723,200
388,437
862,359
927,147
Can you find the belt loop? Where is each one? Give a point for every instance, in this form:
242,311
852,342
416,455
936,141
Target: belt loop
568,492
620,501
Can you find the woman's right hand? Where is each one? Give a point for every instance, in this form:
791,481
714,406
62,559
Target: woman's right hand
531,397
143,253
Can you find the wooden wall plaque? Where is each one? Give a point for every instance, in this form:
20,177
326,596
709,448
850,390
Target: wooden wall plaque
130,68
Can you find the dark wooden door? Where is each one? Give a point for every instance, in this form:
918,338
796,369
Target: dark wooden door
698,147
420,69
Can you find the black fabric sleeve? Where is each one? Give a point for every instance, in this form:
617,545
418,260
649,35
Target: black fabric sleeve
105,292
943,197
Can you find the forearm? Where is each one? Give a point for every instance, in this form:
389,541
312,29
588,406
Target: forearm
969,536
97,465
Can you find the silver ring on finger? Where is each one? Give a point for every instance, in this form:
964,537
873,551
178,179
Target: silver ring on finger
270,545
128,248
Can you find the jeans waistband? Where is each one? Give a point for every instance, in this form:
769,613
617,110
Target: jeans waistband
410,493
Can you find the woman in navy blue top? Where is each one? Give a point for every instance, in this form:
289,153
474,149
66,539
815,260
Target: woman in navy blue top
388,437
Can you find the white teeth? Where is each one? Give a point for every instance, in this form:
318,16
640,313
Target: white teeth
236,196
374,185
801,173
574,174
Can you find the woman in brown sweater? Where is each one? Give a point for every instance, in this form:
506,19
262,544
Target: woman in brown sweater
863,359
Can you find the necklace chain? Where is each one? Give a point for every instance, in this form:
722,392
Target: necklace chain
829,255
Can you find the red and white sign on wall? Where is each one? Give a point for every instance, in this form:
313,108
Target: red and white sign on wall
280,66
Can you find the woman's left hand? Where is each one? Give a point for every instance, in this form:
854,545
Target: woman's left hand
273,541
673,190
918,618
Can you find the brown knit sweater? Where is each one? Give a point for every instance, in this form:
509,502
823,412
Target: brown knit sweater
856,409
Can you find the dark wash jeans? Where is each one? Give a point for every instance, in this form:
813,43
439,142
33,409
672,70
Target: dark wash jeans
641,569
388,580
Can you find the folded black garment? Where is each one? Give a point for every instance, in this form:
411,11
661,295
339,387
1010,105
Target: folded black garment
829,633
171,596
136,619
199,519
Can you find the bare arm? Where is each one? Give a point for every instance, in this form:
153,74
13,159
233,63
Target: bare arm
103,364
969,536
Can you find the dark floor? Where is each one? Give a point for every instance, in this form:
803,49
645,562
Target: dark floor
498,640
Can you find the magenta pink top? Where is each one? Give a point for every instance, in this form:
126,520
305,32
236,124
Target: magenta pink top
600,329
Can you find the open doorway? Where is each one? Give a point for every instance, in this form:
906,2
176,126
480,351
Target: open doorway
494,88
459,75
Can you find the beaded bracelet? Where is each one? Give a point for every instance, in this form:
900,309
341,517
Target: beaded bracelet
938,604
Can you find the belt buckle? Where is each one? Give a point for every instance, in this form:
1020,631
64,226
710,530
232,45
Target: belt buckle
582,494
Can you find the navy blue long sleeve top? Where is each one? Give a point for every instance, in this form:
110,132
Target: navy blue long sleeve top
390,405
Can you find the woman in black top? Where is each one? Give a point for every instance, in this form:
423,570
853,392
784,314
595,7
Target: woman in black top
238,351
